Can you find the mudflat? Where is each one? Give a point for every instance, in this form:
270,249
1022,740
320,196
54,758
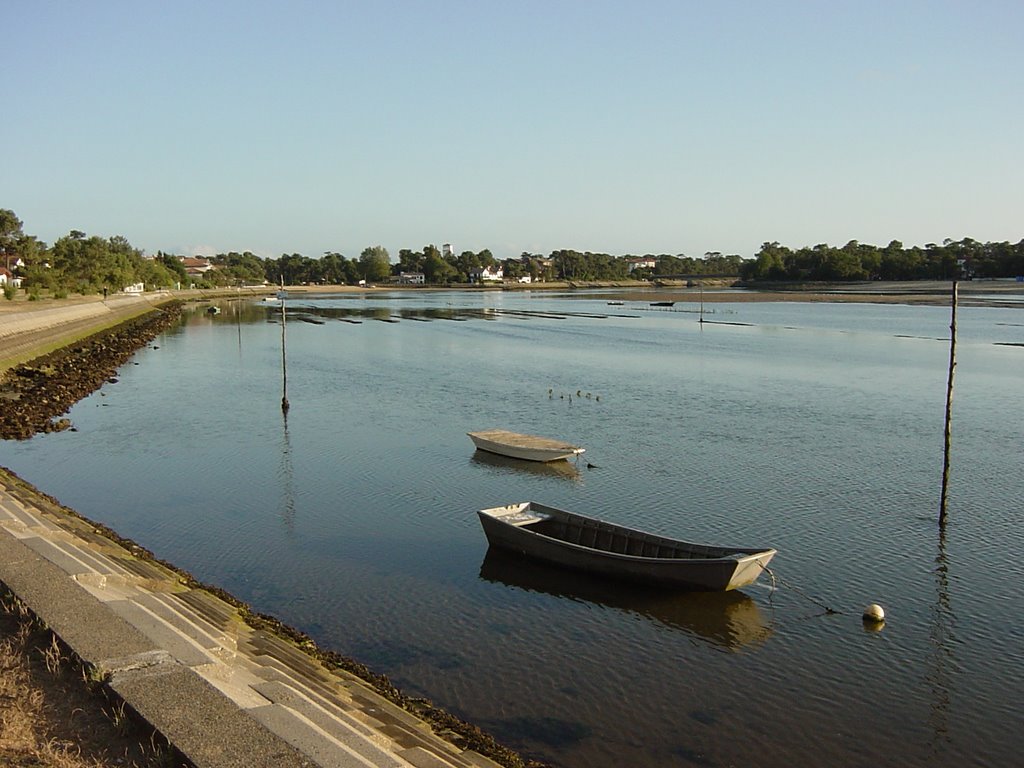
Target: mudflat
32,328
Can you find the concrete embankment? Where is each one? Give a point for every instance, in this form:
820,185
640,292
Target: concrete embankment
224,693
37,330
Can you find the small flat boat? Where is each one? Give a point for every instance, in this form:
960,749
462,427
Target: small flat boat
586,544
519,446
663,303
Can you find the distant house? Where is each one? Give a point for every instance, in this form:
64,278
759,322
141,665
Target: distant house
493,274
134,288
8,277
196,266
641,262
411,278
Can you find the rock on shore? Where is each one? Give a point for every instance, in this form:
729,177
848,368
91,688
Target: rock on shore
35,396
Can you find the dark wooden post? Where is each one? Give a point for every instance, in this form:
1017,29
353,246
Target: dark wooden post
949,410
284,358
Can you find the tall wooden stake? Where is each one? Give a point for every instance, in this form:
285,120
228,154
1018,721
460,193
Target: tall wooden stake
949,411
284,359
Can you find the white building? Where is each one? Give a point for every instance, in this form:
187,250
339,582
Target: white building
488,274
641,262
447,251
6,276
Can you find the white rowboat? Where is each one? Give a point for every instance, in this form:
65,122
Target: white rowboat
518,446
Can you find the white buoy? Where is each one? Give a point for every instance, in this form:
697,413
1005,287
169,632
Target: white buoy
874,613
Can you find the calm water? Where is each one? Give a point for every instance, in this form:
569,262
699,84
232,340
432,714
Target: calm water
815,429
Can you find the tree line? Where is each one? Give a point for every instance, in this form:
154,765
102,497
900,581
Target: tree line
78,263
964,258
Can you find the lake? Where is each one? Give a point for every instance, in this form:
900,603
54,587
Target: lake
816,429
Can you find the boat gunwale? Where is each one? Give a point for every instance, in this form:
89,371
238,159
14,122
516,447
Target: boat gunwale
519,445
739,554
531,442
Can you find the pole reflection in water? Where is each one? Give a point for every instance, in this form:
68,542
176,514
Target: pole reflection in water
237,308
287,475
943,662
728,621
287,478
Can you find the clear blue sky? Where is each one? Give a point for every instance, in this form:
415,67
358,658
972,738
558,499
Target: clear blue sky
651,126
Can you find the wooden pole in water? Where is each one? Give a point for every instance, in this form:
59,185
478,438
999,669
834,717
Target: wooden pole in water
949,410
284,359
702,302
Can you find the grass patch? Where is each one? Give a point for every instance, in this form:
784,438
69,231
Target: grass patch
55,712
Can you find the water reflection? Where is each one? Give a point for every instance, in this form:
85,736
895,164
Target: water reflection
563,469
733,445
942,641
287,475
427,314
730,620
287,478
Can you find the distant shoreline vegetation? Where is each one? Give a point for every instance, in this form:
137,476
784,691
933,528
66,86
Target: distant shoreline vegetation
78,263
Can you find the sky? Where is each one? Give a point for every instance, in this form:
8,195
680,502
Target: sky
628,127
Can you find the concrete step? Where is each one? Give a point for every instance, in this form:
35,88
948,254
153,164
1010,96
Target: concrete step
174,652
303,721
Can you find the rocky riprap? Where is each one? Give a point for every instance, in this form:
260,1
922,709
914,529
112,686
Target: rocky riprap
35,396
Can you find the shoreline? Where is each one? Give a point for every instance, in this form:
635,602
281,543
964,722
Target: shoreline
72,603
993,293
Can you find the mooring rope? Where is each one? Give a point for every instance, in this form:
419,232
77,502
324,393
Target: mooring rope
793,587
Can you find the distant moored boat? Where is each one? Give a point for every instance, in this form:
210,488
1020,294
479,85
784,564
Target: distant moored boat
519,446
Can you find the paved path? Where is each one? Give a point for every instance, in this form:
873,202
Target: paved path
27,331
224,694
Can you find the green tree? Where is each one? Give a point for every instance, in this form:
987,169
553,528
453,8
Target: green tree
464,265
375,263
569,264
294,268
173,265
156,274
513,269
10,234
411,261
334,269
435,268
770,263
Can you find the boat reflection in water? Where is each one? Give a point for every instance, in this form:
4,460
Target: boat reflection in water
562,468
731,620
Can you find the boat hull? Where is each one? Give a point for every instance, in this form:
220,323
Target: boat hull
526,447
540,532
